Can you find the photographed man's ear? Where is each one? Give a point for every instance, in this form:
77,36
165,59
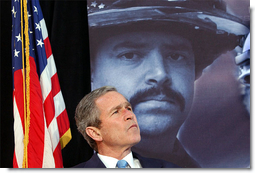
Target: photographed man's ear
94,133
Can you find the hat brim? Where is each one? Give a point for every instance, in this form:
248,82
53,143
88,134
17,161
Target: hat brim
214,21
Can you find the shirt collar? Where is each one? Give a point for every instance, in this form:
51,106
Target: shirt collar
111,162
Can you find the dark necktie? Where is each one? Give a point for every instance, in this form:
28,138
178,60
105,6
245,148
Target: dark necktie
122,164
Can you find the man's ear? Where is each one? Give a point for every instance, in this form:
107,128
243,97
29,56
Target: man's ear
94,133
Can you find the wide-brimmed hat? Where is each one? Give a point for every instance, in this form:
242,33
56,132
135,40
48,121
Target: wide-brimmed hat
205,22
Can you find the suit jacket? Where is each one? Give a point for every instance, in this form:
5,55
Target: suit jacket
95,162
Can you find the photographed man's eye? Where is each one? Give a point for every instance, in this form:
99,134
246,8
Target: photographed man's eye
176,56
128,56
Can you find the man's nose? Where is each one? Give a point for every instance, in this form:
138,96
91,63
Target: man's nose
128,115
156,73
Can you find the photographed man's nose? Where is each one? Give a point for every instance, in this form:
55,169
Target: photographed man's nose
156,69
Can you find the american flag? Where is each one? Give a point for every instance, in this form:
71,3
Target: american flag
41,124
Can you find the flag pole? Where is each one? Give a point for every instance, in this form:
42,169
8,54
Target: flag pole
26,80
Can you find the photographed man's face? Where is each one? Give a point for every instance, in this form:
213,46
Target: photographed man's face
155,71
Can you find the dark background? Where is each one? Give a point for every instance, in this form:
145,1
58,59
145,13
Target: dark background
217,132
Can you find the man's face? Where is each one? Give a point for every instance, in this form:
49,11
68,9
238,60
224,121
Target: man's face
154,71
119,127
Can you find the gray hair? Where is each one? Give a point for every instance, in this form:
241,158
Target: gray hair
87,113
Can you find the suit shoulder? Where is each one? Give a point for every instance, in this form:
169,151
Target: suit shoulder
93,162
80,165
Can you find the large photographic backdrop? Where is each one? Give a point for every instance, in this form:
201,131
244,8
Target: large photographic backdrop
141,49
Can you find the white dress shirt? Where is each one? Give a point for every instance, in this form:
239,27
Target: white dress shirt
111,162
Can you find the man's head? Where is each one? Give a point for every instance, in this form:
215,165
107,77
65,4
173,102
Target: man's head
105,118
153,51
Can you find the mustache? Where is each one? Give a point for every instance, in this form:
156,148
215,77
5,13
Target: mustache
166,92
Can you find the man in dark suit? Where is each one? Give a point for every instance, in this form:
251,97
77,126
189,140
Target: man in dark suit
106,120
